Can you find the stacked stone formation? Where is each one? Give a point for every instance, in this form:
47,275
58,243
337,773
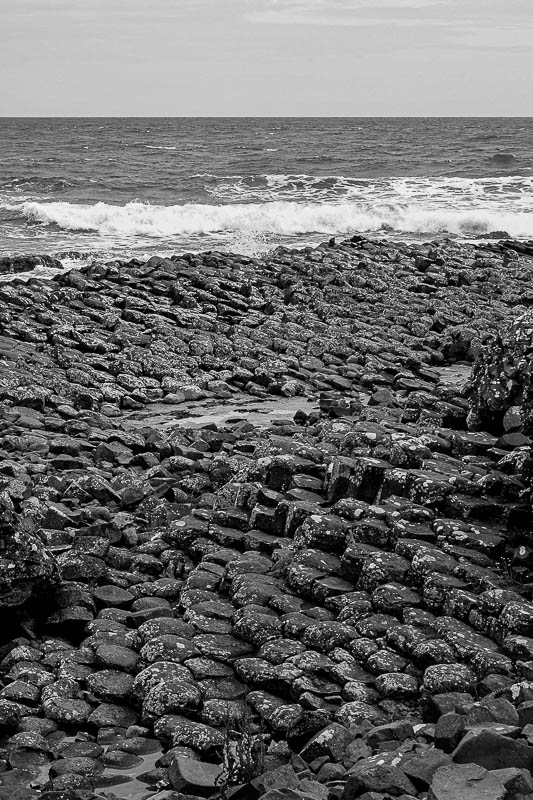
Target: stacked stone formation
336,586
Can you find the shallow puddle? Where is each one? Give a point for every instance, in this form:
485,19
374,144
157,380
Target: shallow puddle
258,412
132,788
120,783
456,376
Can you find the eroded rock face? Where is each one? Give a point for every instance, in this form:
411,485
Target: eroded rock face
502,381
27,569
501,401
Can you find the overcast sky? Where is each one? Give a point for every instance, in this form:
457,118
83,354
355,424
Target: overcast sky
266,57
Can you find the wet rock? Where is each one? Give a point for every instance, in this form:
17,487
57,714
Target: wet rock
27,263
88,767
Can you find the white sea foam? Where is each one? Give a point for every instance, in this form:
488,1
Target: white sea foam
515,188
284,218
271,209
160,147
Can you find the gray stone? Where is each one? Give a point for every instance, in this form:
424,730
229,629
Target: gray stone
466,781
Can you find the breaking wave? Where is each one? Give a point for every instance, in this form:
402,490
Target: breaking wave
260,188
286,218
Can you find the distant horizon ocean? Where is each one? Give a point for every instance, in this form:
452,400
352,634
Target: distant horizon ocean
130,187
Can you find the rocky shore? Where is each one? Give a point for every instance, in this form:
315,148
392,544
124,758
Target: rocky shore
265,526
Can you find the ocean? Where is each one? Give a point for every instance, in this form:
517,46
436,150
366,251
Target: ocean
81,187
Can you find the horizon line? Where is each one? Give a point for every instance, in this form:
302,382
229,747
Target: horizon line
267,116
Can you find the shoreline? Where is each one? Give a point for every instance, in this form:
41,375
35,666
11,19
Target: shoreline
46,264
253,479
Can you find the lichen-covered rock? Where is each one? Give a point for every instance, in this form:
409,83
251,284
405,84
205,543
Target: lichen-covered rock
181,731
170,698
448,678
158,673
501,387
397,685
27,569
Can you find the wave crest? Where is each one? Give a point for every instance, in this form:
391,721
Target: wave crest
284,218
515,189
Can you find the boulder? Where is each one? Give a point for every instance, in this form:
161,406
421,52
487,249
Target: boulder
27,263
493,751
466,781
501,386
368,777
189,773
28,570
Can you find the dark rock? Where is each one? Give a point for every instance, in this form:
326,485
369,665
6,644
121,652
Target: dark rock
27,263
501,378
187,773
176,697
421,769
493,751
329,742
27,570
376,778
183,732
110,684
108,715
448,678
516,781
329,575
449,731
468,781
394,731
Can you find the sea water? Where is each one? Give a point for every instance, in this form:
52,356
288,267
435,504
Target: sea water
130,187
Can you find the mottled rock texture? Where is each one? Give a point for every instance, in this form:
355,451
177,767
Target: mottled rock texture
28,571
502,380
318,602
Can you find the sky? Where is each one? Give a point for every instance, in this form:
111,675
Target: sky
266,58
